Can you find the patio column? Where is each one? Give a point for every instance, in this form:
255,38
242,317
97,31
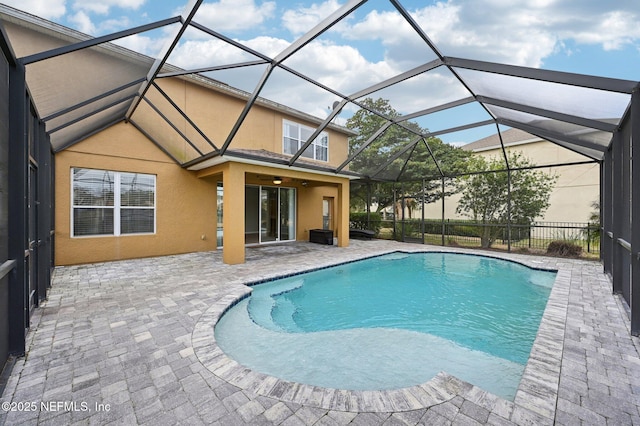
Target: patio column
233,214
343,214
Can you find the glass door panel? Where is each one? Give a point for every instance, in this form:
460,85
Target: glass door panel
269,214
220,198
252,215
287,214
327,213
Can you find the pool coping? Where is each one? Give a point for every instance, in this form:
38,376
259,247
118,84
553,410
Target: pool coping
535,399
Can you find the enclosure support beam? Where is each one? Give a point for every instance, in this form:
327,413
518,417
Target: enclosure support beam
606,194
443,183
601,83
506,162
509,210
368,205
192,8
395,216
424,194
635,212
18,209
245,111
617,203
402,201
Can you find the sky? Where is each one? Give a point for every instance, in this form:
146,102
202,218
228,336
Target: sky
374,43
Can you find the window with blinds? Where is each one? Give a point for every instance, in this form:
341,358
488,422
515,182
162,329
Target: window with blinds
295,135
112,203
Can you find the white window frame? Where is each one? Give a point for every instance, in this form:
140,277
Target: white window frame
301,141
117,207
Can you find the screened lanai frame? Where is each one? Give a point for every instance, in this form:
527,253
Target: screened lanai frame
537,101
592,116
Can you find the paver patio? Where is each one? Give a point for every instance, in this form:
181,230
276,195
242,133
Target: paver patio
130,342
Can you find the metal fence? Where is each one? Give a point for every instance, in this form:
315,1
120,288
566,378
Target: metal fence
535,236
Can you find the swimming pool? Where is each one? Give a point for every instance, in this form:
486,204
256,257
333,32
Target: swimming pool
392,321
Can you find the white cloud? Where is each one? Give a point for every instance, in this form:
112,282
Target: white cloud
139,43
613,30
48,9
82,22
234,15
458,32
341,67
194,54
516,32
301,20
104,6
90,15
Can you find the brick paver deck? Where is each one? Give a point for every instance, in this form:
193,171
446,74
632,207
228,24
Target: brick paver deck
131,342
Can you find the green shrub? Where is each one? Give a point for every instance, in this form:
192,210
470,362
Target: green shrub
366,221
412,227
469,228
564,249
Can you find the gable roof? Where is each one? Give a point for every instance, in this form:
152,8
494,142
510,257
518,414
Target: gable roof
76,96
509,137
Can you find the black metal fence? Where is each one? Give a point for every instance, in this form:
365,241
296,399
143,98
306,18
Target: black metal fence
535,236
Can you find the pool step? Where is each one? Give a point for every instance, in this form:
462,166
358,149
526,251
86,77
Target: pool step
275,288
259,308
262,303
282,314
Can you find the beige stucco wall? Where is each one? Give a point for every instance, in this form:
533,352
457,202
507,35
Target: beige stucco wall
576,188
185,205
215,113
185,200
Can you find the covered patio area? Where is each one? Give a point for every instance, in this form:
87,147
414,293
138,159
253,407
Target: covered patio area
121,341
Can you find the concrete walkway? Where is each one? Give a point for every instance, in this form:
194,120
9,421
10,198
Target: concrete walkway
130,342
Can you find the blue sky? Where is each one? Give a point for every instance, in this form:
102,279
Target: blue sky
588,37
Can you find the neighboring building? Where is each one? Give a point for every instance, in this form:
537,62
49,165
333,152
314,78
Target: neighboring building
120,194
577,187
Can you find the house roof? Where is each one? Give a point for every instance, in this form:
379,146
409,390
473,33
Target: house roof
93,74
76,96
509,137
275,159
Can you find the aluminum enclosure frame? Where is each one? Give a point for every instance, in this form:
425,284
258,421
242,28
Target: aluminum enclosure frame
29,240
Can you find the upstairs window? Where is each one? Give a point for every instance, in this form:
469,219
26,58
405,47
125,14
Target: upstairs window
112,203
294,137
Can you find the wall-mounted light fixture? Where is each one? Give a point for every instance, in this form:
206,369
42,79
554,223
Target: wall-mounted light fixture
305,183
277,180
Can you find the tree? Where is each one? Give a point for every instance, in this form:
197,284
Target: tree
485,196
416,164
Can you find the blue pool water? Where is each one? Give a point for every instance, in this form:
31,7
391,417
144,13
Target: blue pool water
393,321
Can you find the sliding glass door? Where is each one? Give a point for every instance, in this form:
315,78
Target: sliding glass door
270,214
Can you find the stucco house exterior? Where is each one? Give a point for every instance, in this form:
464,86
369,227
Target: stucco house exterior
124,191
576,189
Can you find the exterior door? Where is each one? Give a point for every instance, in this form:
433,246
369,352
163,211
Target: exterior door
327,213
270,214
